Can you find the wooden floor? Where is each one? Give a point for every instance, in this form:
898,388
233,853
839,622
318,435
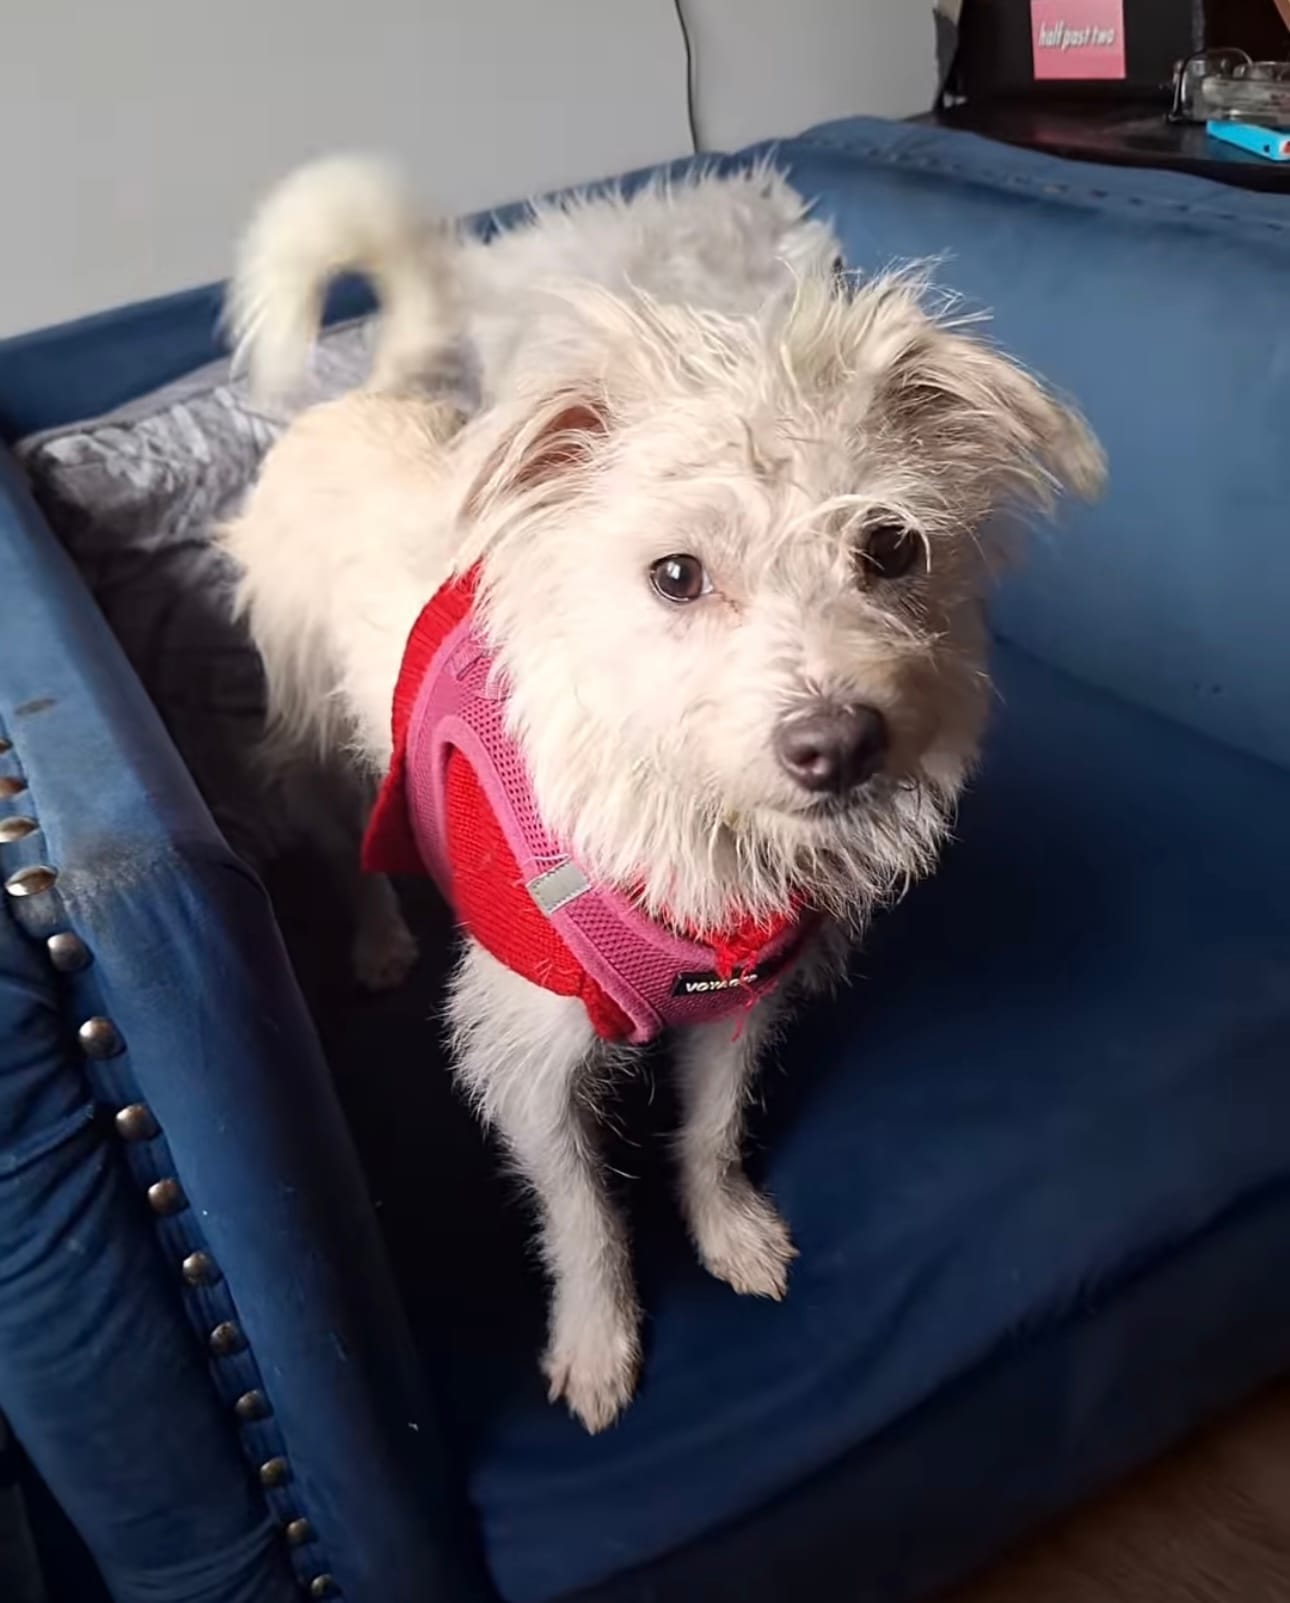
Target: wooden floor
1211,1524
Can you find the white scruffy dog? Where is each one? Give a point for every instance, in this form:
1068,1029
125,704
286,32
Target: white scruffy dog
731,514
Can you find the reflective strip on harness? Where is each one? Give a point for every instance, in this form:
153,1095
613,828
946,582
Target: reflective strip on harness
558,887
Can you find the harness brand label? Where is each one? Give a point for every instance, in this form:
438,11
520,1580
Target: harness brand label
1078,38
703,984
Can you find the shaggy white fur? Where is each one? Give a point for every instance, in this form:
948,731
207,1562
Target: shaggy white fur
732,513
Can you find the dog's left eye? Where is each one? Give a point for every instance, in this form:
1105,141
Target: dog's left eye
889,550
680,578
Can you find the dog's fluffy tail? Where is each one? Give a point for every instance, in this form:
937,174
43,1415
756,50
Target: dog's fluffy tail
345,214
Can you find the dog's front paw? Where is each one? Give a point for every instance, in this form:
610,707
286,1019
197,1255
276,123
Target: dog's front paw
743,1241
593,1368
384,953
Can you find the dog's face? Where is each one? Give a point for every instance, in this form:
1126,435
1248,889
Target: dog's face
734,575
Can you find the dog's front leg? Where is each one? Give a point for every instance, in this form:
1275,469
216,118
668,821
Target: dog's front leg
739,1235
328,805
384,949
532,1064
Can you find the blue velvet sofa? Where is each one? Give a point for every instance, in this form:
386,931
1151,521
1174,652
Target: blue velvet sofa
267,1320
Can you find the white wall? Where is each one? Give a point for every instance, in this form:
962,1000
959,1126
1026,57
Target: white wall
134,134
776,66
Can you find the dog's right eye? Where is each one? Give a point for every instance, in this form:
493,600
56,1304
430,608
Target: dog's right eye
680,578
889,551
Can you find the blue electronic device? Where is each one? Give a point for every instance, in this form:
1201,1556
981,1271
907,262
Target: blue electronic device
1273,143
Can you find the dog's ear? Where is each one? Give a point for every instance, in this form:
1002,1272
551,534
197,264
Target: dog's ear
540,450
1000,428
921,376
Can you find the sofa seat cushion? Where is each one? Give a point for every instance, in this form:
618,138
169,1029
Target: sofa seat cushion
1061,1067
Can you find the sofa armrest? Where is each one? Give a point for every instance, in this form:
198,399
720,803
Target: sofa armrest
121,1372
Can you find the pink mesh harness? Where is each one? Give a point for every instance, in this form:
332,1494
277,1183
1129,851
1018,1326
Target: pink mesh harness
654,977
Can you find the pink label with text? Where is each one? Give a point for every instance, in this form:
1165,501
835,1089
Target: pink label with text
1078,38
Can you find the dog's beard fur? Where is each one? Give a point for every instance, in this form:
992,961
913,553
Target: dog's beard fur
765,446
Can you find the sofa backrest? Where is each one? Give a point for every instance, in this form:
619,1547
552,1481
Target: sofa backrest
1161,303
1157,301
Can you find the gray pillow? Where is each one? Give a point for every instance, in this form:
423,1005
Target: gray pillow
135,496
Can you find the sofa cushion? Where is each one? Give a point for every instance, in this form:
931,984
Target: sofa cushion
1061,1066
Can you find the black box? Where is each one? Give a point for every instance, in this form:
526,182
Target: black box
996,56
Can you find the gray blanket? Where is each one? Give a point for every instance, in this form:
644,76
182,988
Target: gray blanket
135,496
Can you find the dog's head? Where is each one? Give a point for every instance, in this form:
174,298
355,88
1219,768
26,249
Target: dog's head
733,570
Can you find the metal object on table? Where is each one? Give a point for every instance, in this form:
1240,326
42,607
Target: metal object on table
1229,85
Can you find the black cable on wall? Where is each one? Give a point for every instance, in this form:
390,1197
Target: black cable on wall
691,112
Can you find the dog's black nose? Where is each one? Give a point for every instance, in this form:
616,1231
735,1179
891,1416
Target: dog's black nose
831,749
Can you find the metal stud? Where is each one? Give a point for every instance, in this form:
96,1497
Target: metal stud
99,1038
250,1406
135,1122
226,1339
199,1269
322,1586
298,1533
67,952
31,881
16,828
11,785
166,1197
275,1472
